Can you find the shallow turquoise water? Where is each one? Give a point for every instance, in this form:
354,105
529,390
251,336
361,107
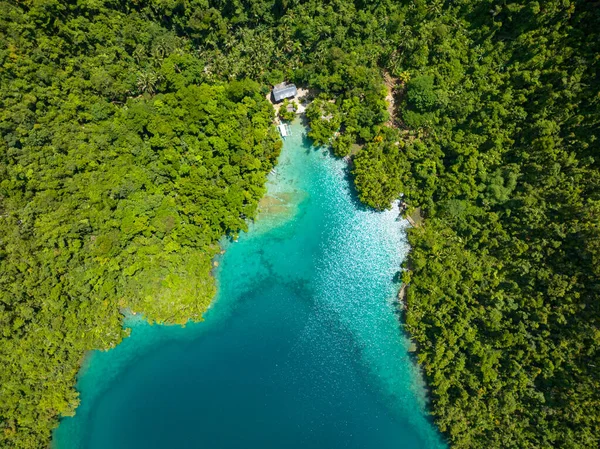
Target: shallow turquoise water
301,349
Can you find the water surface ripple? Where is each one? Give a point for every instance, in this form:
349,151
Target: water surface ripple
301,349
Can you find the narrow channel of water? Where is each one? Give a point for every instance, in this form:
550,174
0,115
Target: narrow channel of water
301,349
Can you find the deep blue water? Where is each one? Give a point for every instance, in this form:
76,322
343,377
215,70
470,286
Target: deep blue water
302,347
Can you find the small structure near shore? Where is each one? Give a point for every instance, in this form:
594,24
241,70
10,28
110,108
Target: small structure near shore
284,90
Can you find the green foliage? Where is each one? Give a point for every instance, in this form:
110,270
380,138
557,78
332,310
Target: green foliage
131,143
284,114
421,99
381,170
109,200
325,120
342,144
416,120
420,93
504,281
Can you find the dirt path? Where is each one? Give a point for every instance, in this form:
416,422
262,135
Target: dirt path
390,84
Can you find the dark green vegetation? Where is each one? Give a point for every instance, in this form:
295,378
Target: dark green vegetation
120,170
128,149
504,297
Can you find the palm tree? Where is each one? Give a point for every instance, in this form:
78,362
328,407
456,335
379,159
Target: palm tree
146,82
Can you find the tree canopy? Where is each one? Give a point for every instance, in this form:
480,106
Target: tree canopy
136,134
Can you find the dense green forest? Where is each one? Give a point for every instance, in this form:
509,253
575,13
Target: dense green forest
136,133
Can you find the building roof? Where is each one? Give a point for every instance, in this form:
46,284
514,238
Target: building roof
283,90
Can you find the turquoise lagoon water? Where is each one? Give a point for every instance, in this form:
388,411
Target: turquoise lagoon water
302,347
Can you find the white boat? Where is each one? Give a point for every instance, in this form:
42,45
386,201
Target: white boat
285,130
